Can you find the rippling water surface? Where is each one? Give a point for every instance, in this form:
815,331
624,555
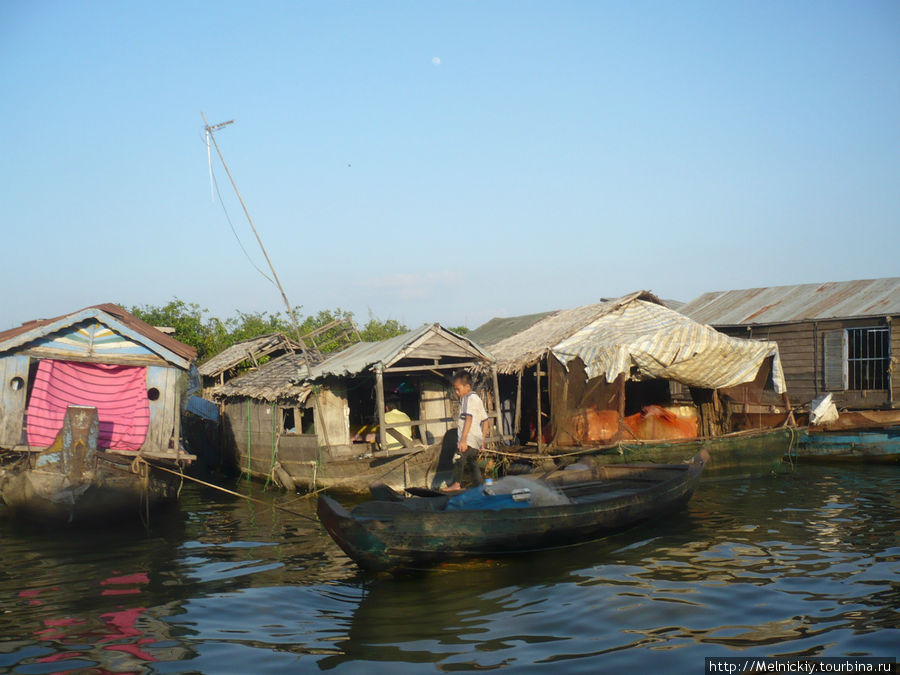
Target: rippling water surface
799,564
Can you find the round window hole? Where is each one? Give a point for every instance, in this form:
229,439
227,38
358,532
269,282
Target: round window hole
16,383
153,394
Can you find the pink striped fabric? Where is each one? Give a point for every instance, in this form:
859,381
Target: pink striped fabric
118,392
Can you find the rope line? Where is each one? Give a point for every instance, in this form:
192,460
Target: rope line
238,494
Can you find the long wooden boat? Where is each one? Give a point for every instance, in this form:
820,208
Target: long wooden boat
568,507
742,454
72,481
878,446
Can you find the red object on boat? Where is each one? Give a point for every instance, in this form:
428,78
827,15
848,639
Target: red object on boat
655,423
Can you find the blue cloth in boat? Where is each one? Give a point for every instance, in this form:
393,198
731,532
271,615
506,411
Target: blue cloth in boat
475,499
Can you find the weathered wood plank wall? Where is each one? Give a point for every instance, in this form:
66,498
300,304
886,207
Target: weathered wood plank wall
13,385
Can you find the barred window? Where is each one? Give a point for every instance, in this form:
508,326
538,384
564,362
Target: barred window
868,357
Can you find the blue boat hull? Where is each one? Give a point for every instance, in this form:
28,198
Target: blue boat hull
876,446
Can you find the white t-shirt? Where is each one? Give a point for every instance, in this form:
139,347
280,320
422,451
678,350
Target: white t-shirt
471,404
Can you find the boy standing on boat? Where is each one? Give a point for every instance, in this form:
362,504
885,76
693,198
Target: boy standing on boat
472,429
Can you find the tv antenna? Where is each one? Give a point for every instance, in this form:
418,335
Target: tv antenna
210,136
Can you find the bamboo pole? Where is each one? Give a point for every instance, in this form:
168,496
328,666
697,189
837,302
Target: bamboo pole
540,425
290,310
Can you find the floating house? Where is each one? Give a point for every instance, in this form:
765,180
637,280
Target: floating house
91,404
631,371
840,339
323,424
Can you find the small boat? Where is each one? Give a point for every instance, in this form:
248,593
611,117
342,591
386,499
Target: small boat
512,515
876,446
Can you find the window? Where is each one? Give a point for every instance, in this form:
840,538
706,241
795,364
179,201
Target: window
857,358
867,358
288,426
291,416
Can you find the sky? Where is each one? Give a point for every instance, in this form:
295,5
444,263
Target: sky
443,161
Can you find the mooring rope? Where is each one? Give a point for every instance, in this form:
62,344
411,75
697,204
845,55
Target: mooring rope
238,494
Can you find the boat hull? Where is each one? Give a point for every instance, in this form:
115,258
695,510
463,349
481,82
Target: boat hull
113,488
417,539
866,446
744,454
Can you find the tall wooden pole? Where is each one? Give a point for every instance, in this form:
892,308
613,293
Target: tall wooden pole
540,423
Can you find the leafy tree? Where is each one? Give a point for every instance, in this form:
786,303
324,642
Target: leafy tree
376,330
209,335
460,330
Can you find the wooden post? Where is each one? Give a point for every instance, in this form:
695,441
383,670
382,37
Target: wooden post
379,401
499,418
620,401
540,425
518,423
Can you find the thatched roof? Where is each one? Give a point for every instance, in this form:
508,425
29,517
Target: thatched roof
248,350
534,343
272,381
431,341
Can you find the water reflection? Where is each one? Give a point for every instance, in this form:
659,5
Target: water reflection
799,564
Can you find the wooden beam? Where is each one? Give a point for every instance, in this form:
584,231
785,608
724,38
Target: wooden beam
518,422
499,423
397,425
379,401
84,357
448,366
397,436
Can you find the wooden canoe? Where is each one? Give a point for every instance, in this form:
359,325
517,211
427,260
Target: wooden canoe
421,531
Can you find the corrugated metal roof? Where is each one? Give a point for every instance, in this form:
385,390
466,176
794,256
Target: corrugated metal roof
803,302
500,328
530,345
363,355
41,327
240,352
286,376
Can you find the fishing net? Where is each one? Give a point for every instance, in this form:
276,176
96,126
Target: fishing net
533,492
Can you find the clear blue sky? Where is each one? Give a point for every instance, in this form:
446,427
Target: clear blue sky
444,161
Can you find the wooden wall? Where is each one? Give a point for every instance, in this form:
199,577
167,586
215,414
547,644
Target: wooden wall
895,361
165,411
802,349
13,371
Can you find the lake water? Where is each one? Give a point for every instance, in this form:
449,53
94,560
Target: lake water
805,563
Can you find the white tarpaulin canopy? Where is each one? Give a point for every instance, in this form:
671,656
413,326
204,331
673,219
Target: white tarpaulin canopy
661,343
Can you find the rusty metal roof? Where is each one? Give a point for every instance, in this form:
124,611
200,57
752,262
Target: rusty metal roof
37,327
793,304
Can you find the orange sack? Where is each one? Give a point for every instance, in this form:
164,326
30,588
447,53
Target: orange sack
654,423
